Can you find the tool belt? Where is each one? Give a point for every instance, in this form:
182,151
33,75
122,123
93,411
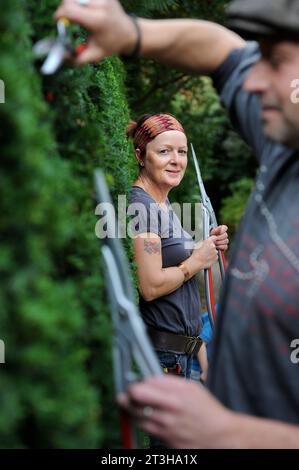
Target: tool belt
175,343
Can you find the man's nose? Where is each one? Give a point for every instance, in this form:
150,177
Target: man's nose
259,78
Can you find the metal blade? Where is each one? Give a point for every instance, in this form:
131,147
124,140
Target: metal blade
202,190
54,60
43,47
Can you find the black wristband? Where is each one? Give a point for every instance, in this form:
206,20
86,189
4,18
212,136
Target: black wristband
135,52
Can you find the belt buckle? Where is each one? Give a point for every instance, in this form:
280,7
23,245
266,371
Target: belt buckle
191,346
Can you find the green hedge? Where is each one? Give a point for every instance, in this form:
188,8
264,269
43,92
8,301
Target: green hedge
56,385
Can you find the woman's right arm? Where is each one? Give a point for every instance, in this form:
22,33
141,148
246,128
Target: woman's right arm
156,281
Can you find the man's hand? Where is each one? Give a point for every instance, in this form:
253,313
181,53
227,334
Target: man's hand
181,413
112,30
186,416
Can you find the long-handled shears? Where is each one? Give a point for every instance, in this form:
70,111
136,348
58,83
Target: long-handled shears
209,222
131,345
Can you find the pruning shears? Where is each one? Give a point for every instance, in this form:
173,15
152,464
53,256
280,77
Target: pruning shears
131,345
57,50
209,222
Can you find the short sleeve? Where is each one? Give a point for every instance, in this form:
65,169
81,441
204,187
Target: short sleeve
144,217
244,107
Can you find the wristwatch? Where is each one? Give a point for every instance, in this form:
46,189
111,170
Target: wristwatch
184,270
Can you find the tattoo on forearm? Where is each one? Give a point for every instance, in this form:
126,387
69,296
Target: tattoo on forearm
152,247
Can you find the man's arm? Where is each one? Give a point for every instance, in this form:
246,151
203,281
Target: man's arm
185,415
192,45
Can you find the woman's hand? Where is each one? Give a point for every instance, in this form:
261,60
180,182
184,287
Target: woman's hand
203,377
204,255
222,240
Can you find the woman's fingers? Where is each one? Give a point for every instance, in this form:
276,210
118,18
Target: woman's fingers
221,240
221,229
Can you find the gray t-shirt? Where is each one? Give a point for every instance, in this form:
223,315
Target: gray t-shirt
178,312
252,370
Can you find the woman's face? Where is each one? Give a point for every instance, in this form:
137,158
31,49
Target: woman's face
165,160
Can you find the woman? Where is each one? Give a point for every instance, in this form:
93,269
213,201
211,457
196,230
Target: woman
167,259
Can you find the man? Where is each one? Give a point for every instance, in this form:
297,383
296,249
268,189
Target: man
254,377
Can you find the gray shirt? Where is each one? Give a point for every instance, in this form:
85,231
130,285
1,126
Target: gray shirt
252,369
179,311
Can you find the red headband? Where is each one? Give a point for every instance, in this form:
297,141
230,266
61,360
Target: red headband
153,126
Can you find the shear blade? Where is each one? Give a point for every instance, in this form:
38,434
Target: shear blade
54,60
42,47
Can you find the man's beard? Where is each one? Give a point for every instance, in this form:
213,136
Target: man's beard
284,133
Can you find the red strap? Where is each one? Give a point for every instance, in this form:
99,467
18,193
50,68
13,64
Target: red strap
125,430
212,299
178,369
223,259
